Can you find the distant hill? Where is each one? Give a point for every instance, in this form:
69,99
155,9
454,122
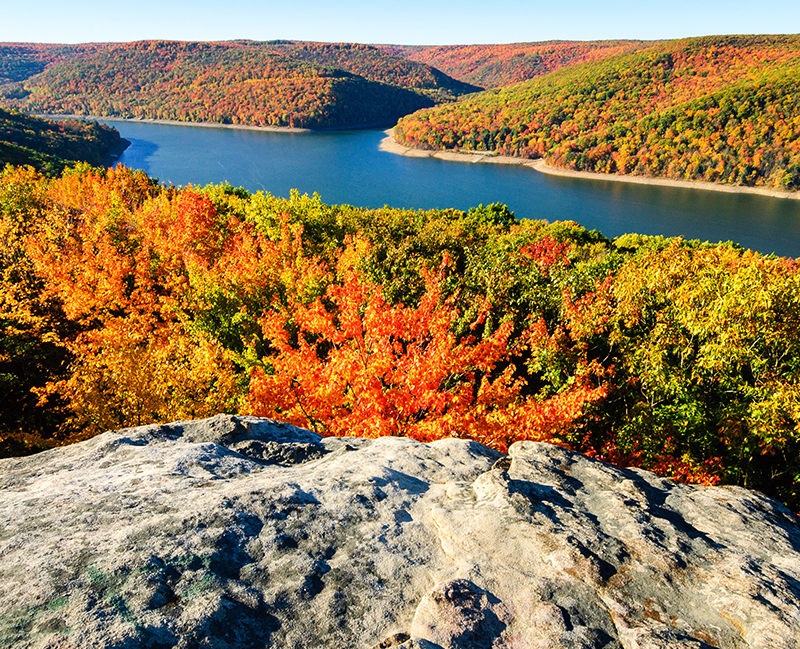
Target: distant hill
376,64
720,109
263,84
491,66
50,146
19,61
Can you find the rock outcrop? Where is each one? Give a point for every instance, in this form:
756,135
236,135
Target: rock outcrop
243,532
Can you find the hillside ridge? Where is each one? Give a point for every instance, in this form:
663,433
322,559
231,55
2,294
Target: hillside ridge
493,66
51,146
295,84
717,109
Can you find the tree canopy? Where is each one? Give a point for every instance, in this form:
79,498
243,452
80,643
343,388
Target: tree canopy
127,302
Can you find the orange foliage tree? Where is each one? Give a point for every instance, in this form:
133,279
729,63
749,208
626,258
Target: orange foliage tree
117,257
353,364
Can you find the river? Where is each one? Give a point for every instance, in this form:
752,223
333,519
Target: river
349,167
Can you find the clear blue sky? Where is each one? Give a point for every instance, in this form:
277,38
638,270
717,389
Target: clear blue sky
407,22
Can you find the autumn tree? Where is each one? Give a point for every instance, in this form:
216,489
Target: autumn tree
357,365
118,271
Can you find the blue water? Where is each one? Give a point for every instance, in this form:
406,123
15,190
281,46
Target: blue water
348,167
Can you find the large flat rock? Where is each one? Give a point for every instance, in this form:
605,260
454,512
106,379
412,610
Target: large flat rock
243,532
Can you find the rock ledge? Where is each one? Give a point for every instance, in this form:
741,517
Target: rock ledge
244,532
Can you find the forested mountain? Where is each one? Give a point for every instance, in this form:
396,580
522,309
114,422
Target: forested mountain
51,146
721,109
262,84
492,66
18,61
376,64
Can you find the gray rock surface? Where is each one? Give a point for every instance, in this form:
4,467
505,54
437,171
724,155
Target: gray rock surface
243,532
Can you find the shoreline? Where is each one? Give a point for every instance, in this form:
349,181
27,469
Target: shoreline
390,145
174,122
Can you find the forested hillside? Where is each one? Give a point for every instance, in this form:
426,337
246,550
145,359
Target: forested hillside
18,61
491,66
376,64
126,302
720,109
261,84
51,146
